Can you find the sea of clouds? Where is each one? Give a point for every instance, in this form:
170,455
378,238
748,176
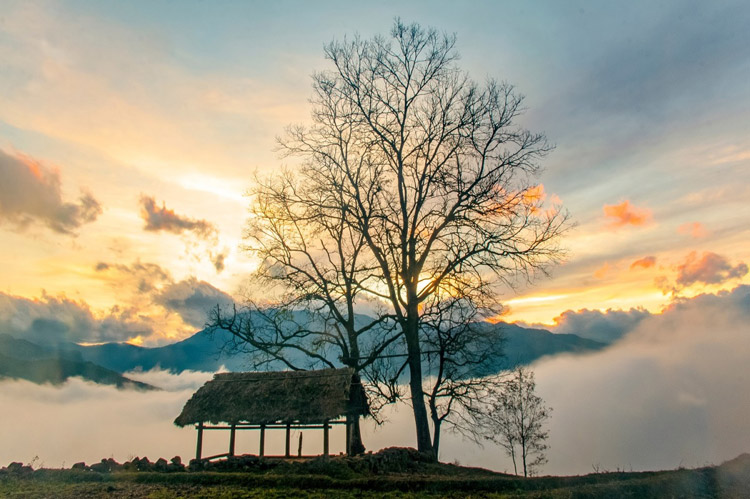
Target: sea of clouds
672,392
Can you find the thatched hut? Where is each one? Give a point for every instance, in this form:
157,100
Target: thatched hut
264,400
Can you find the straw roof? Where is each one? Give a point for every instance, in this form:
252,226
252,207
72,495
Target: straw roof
269,397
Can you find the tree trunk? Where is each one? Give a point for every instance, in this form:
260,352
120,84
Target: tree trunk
411,333
436,437
356,446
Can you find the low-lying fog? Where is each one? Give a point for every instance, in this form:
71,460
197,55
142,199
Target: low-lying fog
674,392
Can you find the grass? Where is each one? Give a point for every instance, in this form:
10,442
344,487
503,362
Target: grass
354,477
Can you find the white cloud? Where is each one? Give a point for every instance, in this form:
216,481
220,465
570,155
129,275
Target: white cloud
54,319
673,392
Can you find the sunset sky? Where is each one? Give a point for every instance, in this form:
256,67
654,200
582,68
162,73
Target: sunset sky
130,131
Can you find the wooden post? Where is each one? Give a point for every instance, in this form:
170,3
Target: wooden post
231,439
348,436
262,440
299,446
288,438
199,447
325,438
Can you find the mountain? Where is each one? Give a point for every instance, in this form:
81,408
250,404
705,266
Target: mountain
525,345
204,351
21,359
200,352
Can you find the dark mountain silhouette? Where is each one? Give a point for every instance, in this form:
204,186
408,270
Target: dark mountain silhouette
21,359
200,352
525,345
204,352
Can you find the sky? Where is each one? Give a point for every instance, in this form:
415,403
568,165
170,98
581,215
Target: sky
131,131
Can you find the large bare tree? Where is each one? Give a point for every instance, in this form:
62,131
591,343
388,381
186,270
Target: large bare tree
431,171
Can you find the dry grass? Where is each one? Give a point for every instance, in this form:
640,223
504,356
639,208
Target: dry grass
348,477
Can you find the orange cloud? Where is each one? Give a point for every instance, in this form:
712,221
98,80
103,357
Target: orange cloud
31,192
695,229
644,263
533,197
534,194
34,166
602,272
626,214
158,219
710,268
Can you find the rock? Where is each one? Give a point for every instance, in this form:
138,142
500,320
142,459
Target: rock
99,467
112,464
106,466
143,464
15,468
195,465
161,465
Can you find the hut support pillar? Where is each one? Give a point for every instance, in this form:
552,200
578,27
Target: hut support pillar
287,449
231,439
325,438
262,440
199,446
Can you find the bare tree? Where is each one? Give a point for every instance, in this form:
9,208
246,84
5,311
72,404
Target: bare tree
431,171
320,269
513,417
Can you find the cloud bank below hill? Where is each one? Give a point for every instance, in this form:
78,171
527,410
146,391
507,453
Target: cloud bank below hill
673,392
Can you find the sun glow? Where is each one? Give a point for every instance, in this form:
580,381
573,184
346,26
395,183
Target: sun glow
213,185
536,299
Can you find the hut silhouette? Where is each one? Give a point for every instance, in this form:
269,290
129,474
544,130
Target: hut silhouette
275,400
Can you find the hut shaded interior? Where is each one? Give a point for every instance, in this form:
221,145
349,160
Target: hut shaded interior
260,400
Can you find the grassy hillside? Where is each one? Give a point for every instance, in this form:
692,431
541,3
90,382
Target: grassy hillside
390,473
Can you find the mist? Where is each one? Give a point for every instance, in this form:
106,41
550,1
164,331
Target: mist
83,421
672,393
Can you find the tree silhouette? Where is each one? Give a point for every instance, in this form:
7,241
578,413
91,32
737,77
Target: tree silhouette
513,417
426,179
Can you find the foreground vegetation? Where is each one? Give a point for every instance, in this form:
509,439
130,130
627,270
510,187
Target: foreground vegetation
389,473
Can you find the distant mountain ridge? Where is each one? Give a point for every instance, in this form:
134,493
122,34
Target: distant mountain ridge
21,359
526,345
204,351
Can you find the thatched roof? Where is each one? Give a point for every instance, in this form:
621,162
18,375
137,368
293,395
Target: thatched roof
268,397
